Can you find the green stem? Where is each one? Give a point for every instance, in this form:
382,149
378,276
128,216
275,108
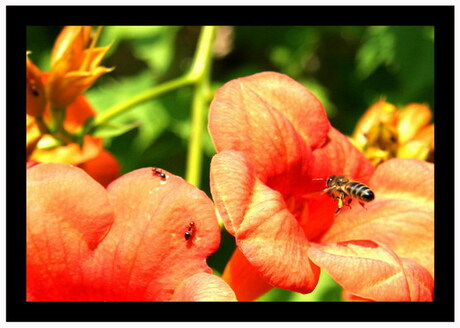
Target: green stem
58,130
199,76
42,125
200,73
136,100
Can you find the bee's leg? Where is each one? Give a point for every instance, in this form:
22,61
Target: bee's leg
362,204
329,191
340,202
349,202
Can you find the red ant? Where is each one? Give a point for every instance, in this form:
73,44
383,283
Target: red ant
158,172
189,233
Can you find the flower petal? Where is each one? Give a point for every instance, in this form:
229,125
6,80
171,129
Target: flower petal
372,271
68,214
412,119
71,153
350,297
401,216
74,68
104,168
272,119
204,287
414,149
231,179
146,254
35,91
63,90
421,284
244,279
142,219
340,157
70,43
266,232
380,113
78,113
408,179
316,210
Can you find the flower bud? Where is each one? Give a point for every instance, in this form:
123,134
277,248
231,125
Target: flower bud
74,65
35,92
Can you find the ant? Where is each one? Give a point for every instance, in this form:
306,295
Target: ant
189,233
158,172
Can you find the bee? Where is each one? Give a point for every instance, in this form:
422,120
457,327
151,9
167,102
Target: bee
190,229
339,187
158,172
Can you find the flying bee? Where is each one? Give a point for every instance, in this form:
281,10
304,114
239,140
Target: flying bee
339,187
190,229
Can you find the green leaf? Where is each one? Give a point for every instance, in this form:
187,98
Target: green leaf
377,50
152,44
111,130
151,118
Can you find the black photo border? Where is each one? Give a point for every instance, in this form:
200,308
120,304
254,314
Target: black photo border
19,17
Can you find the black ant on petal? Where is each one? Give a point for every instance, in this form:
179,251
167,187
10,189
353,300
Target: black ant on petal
190,230
158,172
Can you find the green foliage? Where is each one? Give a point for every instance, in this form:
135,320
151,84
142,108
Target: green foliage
152,45
148,120
407,53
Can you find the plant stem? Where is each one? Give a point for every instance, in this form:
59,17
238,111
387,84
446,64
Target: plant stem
136,100
199,76
200,73
58,130
42,125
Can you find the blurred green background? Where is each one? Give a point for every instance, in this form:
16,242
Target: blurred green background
347,67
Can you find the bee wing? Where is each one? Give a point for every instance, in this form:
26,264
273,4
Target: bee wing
363,179
317,187
314,194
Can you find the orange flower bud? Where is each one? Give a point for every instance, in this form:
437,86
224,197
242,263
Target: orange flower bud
74,65
368,129
71,153
414,149
377,156
35,92
426,135
70,44
412,119
384,132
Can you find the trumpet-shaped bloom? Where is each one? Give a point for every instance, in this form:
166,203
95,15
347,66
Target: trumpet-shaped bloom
386,132
123,243
274,142
64,85
74,65
96,161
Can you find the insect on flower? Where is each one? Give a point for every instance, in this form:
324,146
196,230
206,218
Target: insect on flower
158,172
190,229
33,88
340,187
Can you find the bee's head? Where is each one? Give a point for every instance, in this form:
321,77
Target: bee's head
336,180
331,180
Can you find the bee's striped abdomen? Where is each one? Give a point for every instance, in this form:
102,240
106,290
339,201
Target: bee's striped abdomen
360,191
